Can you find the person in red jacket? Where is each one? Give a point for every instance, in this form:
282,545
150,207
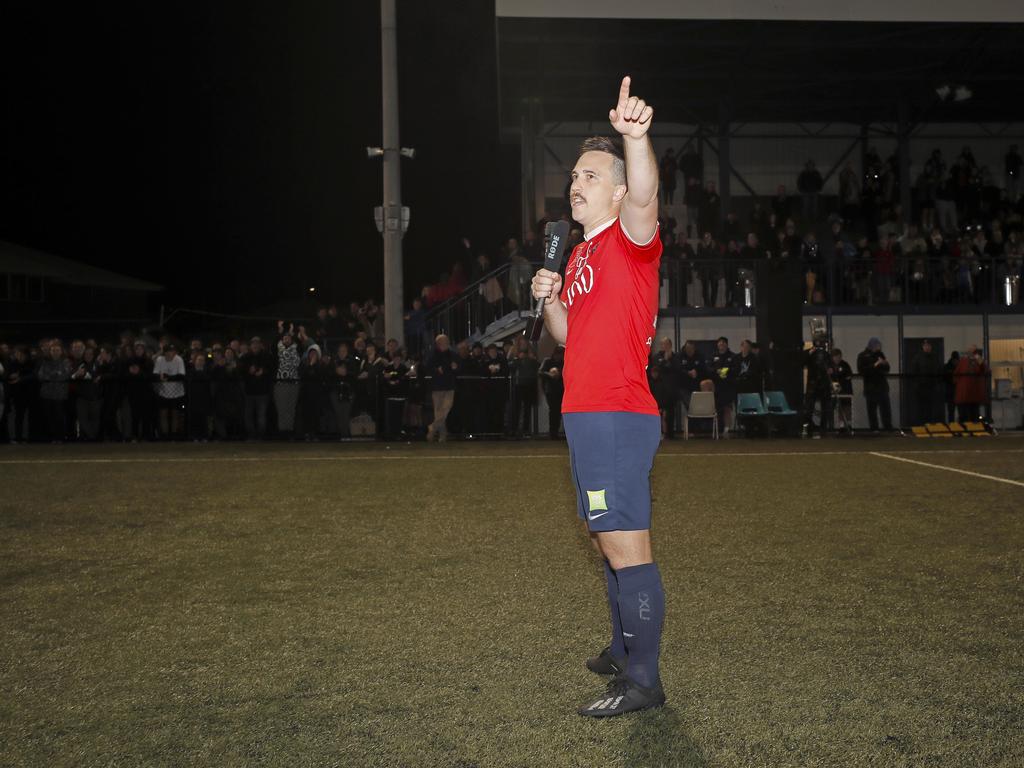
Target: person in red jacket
971,383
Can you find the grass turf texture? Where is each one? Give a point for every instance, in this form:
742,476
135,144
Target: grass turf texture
432,606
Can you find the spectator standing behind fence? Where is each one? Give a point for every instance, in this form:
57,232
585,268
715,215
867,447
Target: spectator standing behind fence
949,380
200,398
524,377
692,371
20,391
554,388
818,363
971,378
842,389
312,393
874,368
667,169
725,369
228,398
926,383
340,391
169,387
88,403
139,392
257,368
54,373
443,368
809,183
286,389
666,388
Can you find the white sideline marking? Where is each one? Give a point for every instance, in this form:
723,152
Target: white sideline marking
469,457
949,469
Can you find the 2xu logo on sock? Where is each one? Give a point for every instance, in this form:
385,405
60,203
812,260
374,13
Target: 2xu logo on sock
645,606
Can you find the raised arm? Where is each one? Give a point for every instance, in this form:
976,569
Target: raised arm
632,118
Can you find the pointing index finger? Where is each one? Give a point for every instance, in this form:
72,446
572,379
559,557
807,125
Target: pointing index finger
623,94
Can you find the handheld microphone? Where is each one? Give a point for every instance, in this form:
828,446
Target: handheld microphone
555,235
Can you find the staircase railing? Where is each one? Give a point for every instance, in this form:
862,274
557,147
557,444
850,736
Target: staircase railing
469,311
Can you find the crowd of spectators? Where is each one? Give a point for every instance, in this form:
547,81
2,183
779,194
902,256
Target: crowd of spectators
297,383
961,242
300,384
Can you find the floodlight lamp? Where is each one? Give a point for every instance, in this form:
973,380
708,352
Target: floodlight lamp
408,152
372,152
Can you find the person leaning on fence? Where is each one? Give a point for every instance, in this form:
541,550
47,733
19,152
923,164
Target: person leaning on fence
53,374
200,398
443,369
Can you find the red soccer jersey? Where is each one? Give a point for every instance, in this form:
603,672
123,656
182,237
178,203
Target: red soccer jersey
611,293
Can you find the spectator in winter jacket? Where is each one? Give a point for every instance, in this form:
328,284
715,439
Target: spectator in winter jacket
873,367
724,369
926,382
257,368
286,387
971,378
667,395
443,368
138,375
809,183
20,393
53,374
692,371
169,371
199,410
842,389
554,388
312,393
750,377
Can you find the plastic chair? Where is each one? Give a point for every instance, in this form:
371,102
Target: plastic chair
777,404
702,406
750,404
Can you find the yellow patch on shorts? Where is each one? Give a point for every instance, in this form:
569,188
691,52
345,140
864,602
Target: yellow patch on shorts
596,499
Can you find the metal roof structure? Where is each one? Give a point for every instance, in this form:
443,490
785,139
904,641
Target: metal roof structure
700,72
19,260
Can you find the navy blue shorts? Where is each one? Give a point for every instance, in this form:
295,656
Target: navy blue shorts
611,454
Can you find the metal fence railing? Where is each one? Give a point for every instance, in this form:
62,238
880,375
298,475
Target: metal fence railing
394,408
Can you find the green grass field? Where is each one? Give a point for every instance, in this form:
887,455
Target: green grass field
358,605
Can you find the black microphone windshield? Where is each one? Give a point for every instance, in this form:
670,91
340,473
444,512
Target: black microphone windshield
555,235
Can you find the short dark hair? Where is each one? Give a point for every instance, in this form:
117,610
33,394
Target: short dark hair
612,147
722,338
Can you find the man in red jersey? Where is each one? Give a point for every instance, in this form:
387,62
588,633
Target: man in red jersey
605,312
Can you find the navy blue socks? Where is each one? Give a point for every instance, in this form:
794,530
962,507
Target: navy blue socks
617,645
641,613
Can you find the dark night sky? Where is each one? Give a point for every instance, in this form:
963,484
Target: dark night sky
219,148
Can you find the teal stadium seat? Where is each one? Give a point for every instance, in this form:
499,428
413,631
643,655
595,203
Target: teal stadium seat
777,404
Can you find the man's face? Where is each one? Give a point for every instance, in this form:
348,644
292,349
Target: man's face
744,348
256,347
752,240
689,349
926,348
666,345
722,347
593,194
56,351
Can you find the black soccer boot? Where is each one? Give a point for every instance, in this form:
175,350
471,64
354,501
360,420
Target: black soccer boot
606,664
622,696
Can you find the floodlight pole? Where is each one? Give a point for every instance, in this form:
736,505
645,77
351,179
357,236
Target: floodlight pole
393,292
